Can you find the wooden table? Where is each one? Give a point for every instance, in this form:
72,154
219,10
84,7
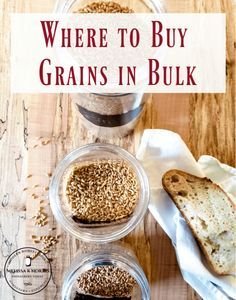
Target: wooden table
206,123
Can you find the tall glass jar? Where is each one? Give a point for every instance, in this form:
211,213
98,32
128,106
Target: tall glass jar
106,255
110,115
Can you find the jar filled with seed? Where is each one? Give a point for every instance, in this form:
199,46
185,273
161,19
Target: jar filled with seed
109,114
107,273
99,193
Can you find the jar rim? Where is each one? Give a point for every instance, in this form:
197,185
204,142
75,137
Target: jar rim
55,198
63,6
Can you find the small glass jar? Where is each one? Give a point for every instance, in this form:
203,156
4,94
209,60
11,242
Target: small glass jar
110,115
104,232
107,255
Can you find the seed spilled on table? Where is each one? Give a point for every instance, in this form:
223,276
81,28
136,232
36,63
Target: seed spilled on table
102,191
47,241
41,217
34,196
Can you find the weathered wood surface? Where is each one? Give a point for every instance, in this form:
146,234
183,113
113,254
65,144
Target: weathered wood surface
206,123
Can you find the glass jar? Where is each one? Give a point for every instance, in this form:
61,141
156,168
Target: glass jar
107,255
110,115
104,232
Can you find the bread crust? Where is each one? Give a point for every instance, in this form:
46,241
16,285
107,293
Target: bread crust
206,180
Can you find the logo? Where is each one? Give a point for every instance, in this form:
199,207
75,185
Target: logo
27,271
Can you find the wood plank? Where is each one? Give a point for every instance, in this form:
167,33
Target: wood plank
206,123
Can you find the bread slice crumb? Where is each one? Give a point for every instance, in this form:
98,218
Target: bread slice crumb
210,213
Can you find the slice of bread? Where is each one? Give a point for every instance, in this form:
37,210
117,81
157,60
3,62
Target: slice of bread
211,215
